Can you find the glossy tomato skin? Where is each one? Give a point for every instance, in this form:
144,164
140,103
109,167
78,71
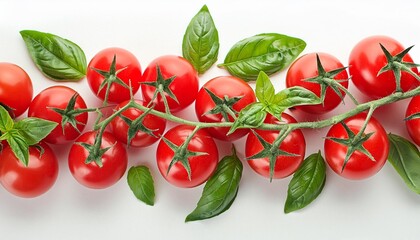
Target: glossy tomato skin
120,128
114,162
230,87
130,75
285,165
32,180
202,167
413,125
16,88
58,97
306,67
359,165
184,87
367,58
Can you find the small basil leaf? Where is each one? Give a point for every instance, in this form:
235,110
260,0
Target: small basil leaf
6,122
267,52
58,58
141,183
405,158
252,115
264,89
220,190
34,129
201,41
18,145
275,110
306,184
295,96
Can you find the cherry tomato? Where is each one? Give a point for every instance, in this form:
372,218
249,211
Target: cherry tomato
15,88
184,86
305,68
32,180
91,175
155,124
367,58
294,143
58,97
413,125
202,167
223,87
359,165
127,68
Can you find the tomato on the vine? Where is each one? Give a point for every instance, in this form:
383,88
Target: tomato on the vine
202,166
114,161
305,68
178,79
58,97
149,129
413,119
359,165
229,92
15,88
119,69
32,180
366,60
293,144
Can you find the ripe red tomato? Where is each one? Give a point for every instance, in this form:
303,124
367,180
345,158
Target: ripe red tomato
58,97
184,86
202,167
413,125
306,67
294,143
127,69
114,161
223,87
15,88
359,165
367,58
120,128
32,180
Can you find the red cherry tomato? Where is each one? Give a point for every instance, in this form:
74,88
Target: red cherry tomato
58,97
32,180
359,166
413,125
15,88
367,58
141,139
202,167
129,72
184,86
306,67
285,165
114,161
223,87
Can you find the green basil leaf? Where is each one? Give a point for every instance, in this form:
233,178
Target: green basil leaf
220,190
33,130
275,110
405,158
306,184
267,52
6,122
252,115
58,58
201,41
295,96
18,145
141,183
264,89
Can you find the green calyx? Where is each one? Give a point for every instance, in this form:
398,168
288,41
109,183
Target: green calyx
137,125
223,106
95,150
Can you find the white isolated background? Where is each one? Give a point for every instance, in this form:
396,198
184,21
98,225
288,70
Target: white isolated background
381,207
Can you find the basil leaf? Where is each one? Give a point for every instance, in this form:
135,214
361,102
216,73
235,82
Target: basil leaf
306,184
252,115
6,122
264,89
201,41
141,183
18,145
295,96
405,158
58,58
267,52
220,190
33,130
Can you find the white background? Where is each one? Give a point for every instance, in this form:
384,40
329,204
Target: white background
381,207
